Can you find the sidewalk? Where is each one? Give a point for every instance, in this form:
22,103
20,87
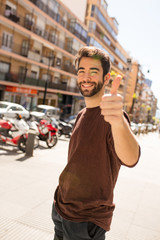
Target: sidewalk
27,187
137,196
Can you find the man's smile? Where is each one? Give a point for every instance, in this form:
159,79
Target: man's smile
87,85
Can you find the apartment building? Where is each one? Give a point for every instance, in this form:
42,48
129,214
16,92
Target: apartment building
144,103
38,43
103,32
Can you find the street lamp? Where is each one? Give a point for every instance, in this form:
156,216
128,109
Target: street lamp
46,82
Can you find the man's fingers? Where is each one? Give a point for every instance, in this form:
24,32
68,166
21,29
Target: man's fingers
115,84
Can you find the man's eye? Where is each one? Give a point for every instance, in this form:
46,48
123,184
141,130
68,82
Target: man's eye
93,73
80,72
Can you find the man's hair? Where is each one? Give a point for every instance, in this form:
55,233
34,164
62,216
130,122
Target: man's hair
95,53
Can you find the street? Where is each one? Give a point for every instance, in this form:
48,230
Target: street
27,186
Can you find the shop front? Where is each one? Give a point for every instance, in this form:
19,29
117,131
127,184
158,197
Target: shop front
26,97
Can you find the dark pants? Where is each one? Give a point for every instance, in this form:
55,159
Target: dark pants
67,230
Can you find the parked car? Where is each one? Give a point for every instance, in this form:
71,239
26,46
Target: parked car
46,110
9,109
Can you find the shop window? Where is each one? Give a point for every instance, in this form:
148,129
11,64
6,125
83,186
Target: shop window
53,102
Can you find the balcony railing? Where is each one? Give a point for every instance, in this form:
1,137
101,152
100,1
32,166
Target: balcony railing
30,54
100,37
21,79
56,16
30,25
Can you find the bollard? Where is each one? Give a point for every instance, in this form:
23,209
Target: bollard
30,142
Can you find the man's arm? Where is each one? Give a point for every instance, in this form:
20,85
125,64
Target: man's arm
126,145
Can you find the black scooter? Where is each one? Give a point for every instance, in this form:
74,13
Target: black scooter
64,129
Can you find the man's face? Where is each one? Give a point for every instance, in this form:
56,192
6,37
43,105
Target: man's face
90,76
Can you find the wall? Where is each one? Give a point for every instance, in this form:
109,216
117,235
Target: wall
78,7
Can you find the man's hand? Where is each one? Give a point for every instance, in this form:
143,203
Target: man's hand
112,104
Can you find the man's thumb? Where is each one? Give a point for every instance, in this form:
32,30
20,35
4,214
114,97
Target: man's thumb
115,84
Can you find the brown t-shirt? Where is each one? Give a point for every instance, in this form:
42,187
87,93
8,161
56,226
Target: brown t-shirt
85,191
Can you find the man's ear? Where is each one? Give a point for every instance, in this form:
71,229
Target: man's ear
107,78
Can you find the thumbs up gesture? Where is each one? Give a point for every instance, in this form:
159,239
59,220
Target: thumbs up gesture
112,104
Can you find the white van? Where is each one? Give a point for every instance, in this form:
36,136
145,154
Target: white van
46,110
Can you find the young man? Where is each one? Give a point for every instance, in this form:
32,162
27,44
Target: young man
101,142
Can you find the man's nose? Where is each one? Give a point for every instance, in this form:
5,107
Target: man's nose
87,76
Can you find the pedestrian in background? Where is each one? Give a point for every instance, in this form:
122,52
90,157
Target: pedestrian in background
101,142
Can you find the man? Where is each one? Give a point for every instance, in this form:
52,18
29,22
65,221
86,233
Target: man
101,142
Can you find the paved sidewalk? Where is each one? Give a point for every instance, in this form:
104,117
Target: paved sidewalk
27,186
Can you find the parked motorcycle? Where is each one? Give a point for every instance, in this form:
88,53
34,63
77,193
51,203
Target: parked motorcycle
48,132
64,129
15,132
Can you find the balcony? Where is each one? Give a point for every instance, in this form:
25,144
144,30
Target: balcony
21,79
57,18
11,15
47,35
31,54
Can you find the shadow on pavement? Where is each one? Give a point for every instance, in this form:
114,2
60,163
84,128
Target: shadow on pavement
23,158
7,151
65,139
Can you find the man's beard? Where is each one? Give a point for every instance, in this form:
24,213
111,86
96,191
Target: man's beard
90,93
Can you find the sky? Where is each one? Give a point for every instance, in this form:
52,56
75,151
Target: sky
139,34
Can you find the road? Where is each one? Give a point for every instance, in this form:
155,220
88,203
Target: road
27,186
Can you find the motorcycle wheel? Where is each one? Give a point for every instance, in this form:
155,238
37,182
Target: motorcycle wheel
52,141
22,144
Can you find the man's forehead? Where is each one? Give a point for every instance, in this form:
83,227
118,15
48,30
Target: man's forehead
90,61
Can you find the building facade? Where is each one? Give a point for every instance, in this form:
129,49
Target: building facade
38,44
144,103
103,32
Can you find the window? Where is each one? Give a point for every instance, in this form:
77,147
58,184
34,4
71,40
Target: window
29,21
92,10
46,77
13,108
56,79
58,62
33,74
106,39
22,74
7,40
84,33
10,9
104,22
4,67
25,48
53,36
